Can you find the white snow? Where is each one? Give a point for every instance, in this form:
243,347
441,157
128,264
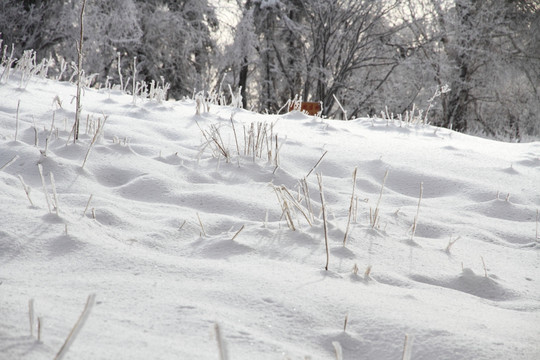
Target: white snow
155,244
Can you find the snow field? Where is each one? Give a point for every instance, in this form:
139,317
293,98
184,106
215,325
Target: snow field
156,246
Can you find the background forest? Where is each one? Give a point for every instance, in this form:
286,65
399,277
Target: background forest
471,65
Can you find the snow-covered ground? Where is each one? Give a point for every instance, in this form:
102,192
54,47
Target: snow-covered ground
174,239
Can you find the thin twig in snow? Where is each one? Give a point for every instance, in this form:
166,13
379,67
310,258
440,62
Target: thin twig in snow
317,164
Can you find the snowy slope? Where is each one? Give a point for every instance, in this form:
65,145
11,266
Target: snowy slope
176,239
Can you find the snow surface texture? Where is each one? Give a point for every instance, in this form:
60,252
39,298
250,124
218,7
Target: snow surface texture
155,243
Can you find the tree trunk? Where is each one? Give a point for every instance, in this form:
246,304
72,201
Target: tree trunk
456,116
243,76
242,81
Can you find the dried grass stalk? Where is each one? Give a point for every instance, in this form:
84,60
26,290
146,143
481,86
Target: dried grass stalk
415,222
27,189
323,207
40,168
351,207
222,346
407,347
31,315
77,327
316,164
17,120
55,196
201,224
39,327
338,350
451,243
9,162
238,232
98,132
374,215
87,204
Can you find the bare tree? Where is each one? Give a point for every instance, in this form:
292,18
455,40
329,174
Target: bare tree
318,49
177,43
350,45
78,106
486,51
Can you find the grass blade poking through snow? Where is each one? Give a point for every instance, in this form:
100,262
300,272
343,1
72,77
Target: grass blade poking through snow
338,349
316,164
27,190
77,327
288,205
17,120
351,206
31,315
407,347
40,168
55,196
484,265
235,135
98,132
39,327
305,190
238,232
413,231
203,233
296,204
323,206
276,155
285,208
367,273
451,243
222,346
374,215
87,204
9,162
